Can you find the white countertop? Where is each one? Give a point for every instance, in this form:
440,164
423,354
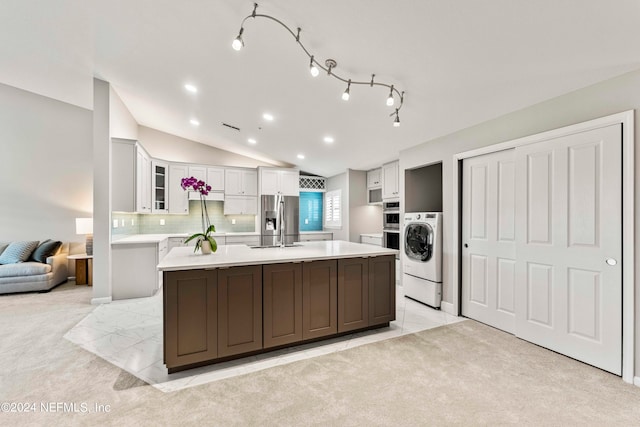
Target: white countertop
157,238
183,258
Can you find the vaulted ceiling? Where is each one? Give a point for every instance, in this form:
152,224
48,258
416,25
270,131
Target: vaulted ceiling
460,62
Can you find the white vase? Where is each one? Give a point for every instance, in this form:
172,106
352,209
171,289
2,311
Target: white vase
205,247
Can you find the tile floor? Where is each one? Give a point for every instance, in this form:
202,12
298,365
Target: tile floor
129,335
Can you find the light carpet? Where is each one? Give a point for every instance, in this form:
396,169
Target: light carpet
460,374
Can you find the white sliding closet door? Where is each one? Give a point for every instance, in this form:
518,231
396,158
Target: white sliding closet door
569,246
488,237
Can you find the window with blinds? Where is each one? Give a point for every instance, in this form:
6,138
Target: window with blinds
333,208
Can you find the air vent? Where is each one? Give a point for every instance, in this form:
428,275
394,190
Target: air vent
231,127
312,183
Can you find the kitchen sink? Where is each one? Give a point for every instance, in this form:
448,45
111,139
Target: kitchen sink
288,245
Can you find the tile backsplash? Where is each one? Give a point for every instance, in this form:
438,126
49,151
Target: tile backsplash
150,223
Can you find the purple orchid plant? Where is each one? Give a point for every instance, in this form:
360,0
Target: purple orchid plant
194,184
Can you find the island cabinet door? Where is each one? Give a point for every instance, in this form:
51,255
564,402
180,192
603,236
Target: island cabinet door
382,289
190,317
319,299
282,303
239,310
353,294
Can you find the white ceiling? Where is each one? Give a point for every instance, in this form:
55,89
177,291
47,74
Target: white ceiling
461,62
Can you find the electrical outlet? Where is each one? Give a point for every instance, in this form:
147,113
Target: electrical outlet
306,220
122,222
162,222
115,223
132,223
233,221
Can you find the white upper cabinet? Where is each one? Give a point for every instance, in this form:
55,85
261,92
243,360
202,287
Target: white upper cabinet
198,172
131,177
240,182
374,178
241,205
143,181
178,198
390,180
159,181
215,178
279,181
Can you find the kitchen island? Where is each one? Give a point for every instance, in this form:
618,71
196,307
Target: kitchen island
241,301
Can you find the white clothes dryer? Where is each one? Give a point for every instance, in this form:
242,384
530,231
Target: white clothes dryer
422,257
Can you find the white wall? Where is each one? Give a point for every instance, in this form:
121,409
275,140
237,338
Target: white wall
102,192
340,182
602,99
121,122
173,148
45,166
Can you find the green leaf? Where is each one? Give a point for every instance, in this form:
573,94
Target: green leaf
213,243
190,238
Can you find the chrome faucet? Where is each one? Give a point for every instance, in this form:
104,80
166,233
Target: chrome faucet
282,243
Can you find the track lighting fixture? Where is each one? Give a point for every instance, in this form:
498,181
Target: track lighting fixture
329,64
390,98
345,94
313,69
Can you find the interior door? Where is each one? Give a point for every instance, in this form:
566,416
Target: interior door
488,237
569,248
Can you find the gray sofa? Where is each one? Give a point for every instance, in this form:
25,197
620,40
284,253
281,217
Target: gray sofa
34,276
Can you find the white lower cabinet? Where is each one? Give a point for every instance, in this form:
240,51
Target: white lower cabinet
371,240
134,270
241,205
312,237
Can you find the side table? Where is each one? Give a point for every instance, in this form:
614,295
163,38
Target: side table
84,268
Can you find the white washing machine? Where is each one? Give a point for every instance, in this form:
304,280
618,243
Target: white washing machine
422,257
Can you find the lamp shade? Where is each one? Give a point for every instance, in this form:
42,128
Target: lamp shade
84,225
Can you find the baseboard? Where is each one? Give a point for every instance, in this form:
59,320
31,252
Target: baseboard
447,307
103,300
636,381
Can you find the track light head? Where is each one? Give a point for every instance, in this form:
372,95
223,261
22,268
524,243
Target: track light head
238,43
345,94
313,69
396,121
390,99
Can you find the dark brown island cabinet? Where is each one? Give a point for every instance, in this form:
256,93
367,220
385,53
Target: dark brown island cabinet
218,314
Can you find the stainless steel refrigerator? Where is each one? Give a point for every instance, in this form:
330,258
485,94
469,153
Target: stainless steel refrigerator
279,217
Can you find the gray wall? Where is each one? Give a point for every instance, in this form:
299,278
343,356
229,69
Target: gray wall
602,99
45,167
363,218
334,183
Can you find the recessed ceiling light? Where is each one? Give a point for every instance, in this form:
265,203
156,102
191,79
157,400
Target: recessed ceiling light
268,117
301,156
191,88
328,139
194,122
252,141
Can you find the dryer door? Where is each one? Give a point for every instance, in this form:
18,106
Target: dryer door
418,241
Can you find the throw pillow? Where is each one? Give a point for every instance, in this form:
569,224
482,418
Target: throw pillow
3,246
45,250
18,252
